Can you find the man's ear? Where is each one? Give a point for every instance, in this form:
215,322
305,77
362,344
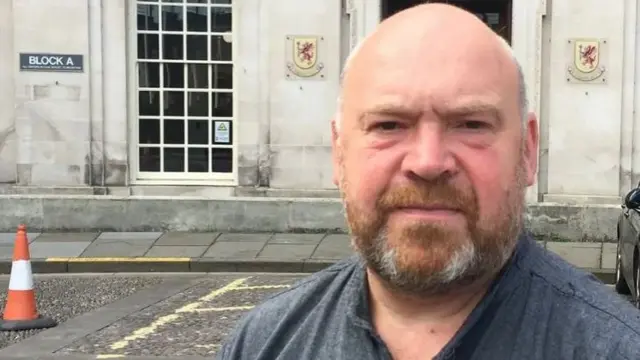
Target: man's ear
336,151
531,148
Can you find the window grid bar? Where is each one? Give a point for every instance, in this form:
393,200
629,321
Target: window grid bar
176,146
186,97
195,62
142,2
168,89
148,117
186,32
211,123
161,96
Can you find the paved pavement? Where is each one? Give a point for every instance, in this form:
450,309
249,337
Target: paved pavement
112,315
139,316
214,252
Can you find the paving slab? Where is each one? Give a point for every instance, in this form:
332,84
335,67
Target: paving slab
176,251
287,251
244,237
333,246
67,237
235,250
609,252
115,249
10,238
129,236
186,238
305,239
6,252
58,249
584,255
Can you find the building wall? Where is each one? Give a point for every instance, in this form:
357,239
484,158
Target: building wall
8,138
583,146
79,129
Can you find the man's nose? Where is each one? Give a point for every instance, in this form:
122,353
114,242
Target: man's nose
428,154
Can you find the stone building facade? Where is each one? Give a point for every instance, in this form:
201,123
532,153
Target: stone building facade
210,98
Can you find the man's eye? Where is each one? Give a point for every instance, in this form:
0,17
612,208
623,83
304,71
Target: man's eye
473,125
387,125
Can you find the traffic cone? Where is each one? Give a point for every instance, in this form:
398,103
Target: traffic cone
20,311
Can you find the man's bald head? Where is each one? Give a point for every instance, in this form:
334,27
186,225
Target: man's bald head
423,13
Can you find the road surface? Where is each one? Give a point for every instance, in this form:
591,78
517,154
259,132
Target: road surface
145,316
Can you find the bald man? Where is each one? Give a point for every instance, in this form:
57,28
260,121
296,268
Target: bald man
434,148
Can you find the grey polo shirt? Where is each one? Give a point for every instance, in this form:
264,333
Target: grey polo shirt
540,307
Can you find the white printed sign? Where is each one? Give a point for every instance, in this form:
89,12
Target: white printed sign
222,132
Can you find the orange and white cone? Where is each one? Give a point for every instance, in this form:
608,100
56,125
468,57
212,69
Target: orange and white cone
20,312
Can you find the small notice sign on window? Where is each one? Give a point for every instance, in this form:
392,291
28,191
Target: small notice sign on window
222,132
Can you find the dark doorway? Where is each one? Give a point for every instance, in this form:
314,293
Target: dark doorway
495,13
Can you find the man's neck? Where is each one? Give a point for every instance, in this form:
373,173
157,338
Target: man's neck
420,324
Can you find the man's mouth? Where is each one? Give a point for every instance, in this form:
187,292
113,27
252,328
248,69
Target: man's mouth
427,212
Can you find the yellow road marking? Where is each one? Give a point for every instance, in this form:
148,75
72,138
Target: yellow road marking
219,309
118,259
164,320
258,287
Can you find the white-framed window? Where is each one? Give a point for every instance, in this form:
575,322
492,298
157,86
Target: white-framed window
184,90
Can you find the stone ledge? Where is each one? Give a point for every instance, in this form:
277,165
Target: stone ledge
547,221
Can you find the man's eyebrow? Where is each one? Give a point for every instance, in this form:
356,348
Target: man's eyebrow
454,109
389,108
469,108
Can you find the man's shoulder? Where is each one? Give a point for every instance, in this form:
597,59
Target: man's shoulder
579,300
311,300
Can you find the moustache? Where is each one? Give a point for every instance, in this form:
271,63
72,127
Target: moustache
437,194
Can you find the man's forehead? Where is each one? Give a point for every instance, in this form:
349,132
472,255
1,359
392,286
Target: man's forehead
386,80
413,105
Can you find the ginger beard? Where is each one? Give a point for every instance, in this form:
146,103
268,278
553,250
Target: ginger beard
431,257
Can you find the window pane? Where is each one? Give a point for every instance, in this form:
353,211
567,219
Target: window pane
198,104
173,131
148,46
147,17
149,159
222,104
221,160
174,159
221,19
198,132
149,75
172,18
149,131
220,49
222,76
173,76
196,47
198,159
197,18
198,75
149,103
172,47
173,103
